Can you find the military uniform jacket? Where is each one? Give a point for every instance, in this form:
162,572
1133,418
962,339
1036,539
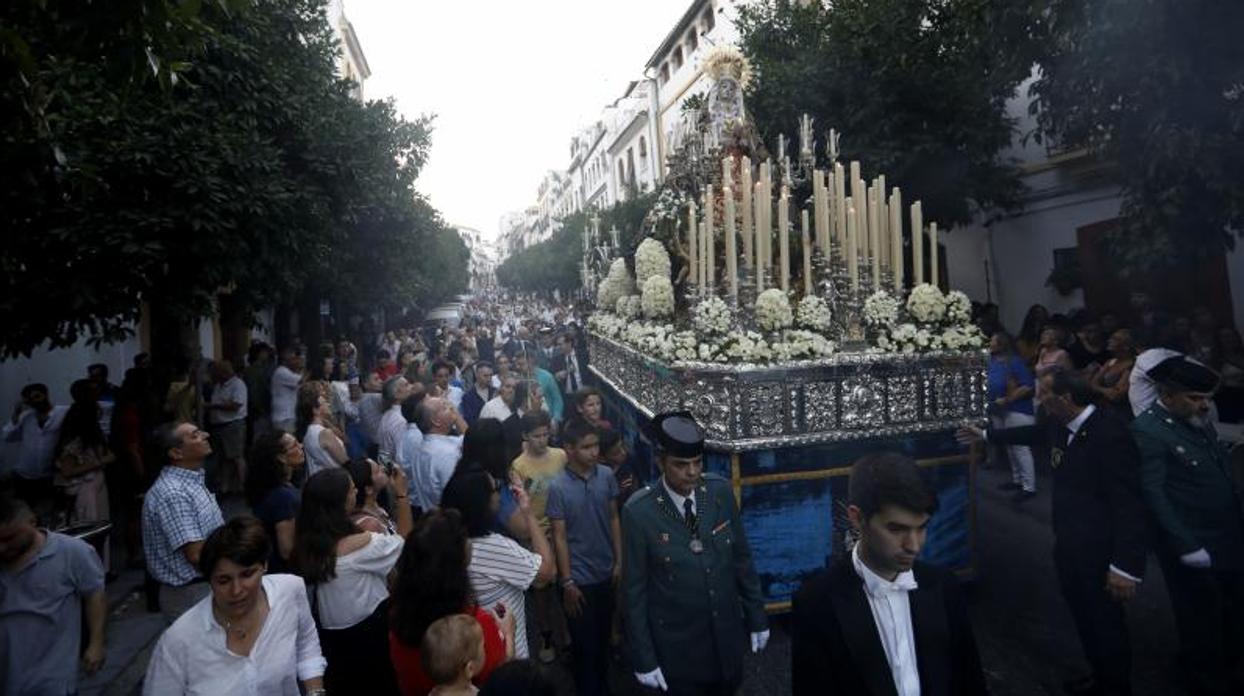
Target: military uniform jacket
688,613
1189,489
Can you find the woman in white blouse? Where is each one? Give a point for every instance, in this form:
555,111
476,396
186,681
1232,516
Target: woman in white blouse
253,635
347,570
324,449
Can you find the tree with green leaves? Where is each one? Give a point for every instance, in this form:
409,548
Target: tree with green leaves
1156,88
916,87
554,264
252,175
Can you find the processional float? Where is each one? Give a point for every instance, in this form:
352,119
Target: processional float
802,334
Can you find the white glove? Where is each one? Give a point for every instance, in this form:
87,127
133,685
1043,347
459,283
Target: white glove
653,679
760,640
1196,559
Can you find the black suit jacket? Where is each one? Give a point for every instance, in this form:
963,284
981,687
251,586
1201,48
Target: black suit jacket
558,364
1099,516
836,647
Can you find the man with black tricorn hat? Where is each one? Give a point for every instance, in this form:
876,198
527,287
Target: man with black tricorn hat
1196,505
692,597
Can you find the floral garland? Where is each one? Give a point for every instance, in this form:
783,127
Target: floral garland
773,310
657,299
813,313
712,317
651,259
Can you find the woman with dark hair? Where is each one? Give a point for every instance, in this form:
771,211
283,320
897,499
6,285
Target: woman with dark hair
432,583
324,448
347,570
1051,355
274,500
252,635
484,445
370,479
1028,342
81,454
500,570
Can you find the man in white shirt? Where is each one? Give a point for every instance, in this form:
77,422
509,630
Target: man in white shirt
501,406
392,424
442,371
440,452
878,621
412,440
226,415
285,381
36,425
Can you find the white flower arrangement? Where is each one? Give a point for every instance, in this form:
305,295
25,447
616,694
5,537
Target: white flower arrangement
617,283
799,344
958,308
812,313
685,346
628,307
773,310
962,337
926,304
605,324
748,347
657,299
903,338
712,317
670,205
651,259
724,60
881,310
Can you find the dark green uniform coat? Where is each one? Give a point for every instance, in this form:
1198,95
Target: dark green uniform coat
690,614
1188,487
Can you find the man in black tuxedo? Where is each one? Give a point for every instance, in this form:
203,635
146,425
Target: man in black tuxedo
1099,522
878,622
566,367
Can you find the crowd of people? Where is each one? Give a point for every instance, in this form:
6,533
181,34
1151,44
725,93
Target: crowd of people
446,509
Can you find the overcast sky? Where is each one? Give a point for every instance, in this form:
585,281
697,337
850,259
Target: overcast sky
510,83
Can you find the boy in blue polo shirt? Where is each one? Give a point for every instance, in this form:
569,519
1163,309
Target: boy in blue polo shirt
587,539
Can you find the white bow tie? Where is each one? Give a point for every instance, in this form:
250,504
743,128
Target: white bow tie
905,582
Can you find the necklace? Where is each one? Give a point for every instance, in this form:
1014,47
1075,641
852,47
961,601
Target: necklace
235,628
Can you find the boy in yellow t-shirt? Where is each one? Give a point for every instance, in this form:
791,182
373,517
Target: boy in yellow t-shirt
538,465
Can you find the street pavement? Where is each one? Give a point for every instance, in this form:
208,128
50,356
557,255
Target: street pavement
1027,642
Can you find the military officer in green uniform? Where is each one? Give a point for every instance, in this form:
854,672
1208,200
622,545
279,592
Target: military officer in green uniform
1196,505
692,598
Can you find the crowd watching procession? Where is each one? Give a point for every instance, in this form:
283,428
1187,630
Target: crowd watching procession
446,510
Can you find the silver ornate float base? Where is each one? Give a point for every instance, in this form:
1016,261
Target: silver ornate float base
850,396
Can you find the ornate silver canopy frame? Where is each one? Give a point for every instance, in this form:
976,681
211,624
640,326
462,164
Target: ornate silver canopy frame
850,396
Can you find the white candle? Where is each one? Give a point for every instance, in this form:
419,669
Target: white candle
852,244
917,244
807,254
840,204
784,237
896,238
758,210
874,232
933,253
746,212
703,256
711,242
883,217
727,173
732,268
693,245
816,204
859,198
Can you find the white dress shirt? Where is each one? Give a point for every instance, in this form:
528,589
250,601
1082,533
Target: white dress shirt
496,408
408,455
1142,391
891,610
232,391
390,433
437,460
678,500
192,657
34,459
285,384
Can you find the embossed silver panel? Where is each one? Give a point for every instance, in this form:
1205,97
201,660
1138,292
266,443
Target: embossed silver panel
848,396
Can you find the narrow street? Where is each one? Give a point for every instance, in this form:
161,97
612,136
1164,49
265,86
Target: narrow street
1027,642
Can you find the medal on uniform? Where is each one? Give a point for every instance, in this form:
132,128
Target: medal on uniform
697,546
